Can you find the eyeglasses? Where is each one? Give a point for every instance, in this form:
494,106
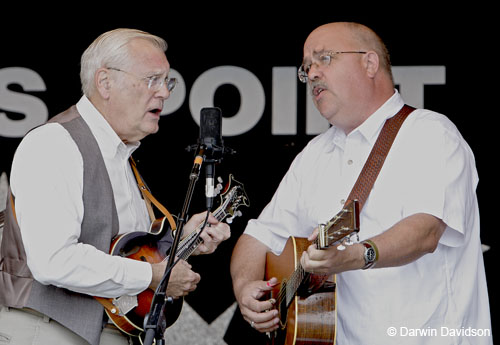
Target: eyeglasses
155,82
324,60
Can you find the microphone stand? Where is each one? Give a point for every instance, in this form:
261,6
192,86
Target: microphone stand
155,322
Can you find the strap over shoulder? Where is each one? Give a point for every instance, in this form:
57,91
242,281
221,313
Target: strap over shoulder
150,199
377,156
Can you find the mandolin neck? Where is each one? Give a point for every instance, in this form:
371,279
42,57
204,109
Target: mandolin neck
189,244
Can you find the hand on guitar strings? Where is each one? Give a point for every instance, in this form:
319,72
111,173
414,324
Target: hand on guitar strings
182,279
213,234
330,261
261,315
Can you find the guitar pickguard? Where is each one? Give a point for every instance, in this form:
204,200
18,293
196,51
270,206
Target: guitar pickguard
125,303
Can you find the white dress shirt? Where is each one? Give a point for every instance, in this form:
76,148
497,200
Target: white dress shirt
430,169
47,182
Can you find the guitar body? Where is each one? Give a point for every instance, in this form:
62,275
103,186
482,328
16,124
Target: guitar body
310,318
152,247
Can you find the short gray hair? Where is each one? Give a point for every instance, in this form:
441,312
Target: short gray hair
110,48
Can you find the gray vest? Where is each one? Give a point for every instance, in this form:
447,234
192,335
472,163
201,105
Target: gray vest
80,313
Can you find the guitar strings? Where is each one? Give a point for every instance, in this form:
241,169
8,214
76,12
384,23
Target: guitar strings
289,290
296,279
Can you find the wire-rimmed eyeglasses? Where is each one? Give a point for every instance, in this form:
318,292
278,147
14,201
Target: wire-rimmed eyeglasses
155,82
323,60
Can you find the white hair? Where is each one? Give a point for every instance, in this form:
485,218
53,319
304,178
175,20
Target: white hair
110,49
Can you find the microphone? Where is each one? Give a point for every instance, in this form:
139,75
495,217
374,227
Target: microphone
210,133
211,141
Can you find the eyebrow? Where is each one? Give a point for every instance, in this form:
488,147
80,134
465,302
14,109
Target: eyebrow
157,72
316,53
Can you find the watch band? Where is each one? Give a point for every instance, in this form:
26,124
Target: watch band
370,254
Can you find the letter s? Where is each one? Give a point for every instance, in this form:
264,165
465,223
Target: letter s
33,108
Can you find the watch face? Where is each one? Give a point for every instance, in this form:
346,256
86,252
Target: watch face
370,254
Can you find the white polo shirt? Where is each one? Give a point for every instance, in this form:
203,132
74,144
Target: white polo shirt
430,169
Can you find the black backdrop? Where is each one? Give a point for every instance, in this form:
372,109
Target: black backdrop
255,39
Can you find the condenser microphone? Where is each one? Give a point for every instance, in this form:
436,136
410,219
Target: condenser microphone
213,145
211,132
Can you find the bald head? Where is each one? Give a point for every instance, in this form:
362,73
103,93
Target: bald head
357,36
349,72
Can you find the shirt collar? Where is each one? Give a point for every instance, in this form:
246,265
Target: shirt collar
109,142
372,126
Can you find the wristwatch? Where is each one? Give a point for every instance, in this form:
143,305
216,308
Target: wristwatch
370,255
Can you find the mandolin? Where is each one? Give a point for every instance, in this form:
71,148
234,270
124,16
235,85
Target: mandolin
305,301
128,312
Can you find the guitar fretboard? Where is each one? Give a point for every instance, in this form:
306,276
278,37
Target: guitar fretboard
289,289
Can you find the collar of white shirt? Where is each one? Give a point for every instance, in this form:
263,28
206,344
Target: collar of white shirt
372,126
109,142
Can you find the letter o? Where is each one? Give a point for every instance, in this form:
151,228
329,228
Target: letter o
250,89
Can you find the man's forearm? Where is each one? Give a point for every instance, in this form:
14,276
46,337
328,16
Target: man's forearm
248,261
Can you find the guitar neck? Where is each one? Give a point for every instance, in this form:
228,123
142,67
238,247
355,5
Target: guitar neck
294,282
337,231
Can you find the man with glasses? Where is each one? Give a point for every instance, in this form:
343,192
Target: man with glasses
73,190
416,275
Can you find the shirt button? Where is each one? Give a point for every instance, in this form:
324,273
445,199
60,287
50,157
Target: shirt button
349,162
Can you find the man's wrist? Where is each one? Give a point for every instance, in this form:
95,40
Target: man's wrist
370,254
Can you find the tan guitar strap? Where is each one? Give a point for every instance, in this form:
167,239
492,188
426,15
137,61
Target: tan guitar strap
377,156
149,199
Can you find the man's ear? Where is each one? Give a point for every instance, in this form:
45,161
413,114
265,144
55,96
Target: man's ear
372,63
103,82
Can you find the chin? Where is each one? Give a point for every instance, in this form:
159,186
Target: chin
153,125
327,113
154,129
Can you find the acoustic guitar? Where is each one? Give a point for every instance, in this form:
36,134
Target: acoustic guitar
128,312
305,301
